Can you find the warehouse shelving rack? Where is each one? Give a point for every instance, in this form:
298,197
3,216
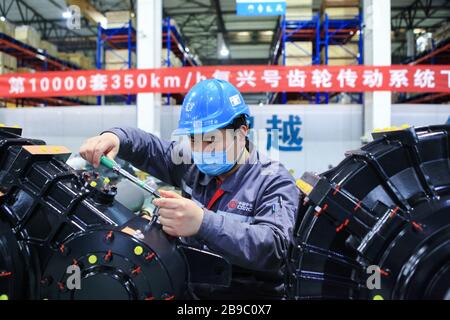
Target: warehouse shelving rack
173,42
323,32
125,38
301,30
438,54
340,32
40,60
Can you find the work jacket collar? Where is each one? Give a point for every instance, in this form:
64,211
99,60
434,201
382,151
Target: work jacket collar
232,181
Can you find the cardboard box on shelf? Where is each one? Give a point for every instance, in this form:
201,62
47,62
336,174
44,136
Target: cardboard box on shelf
28,35
77,58
5,70
341,13
297,61
174,60
116,66
119,19
299,49
342,62
8,61
340,3
25,70
299,13
51,48
347,51
7,28
119,56
299,3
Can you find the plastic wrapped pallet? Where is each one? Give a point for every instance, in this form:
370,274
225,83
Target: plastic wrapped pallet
28,35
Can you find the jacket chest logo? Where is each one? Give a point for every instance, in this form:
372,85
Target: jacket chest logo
240,205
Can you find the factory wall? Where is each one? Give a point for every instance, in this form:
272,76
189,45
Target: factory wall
311,137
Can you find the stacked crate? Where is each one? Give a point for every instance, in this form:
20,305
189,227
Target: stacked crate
341,10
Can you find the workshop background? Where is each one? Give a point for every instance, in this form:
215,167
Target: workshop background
54,35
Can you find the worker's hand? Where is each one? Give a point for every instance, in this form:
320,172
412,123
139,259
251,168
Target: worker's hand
180,217
93,148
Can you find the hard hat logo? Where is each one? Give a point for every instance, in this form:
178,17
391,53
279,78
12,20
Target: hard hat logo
235,100
189,107
212,103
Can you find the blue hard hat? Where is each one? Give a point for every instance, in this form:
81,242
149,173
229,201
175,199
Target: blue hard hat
210,104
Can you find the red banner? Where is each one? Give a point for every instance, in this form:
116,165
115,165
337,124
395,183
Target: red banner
399,78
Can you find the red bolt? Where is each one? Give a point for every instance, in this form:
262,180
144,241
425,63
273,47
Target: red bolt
417,226
136,270
358,205
343,225
336,190
383,272
393,212
109,236
149,256
108,255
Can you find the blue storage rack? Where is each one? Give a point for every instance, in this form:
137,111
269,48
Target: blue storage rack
322,33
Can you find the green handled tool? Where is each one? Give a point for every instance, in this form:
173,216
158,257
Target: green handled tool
111,164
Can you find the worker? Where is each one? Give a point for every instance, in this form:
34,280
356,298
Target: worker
234,201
